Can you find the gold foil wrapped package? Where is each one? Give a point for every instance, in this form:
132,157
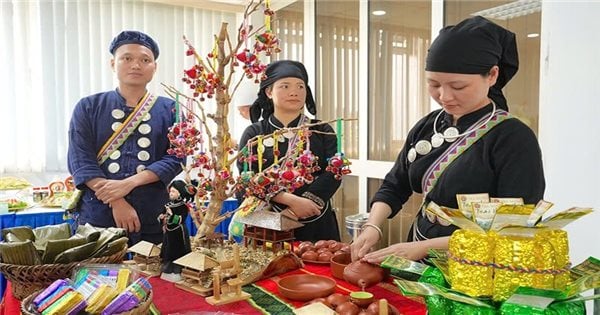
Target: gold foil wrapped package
467,278
496,264
539,262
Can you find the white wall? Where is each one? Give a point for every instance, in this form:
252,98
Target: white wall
569,116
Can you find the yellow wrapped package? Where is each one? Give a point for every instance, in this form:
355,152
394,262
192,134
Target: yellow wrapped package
465,248
517,249
496,264
538,261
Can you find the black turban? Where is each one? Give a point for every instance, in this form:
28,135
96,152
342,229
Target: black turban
474,46
133,37
263,106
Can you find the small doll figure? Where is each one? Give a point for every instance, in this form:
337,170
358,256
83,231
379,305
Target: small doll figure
176,239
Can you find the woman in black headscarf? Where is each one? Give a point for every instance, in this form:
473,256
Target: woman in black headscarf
282,97
471,145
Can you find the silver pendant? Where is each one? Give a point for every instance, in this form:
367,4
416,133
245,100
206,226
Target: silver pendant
412,155
116,125
114,167
115,155
117,113
423,147
147,117
140,168
451,134
269,142
144,142
145,129
437,140
143,155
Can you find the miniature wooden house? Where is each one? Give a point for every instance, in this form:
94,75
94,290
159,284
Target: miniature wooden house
262,227
146,258
196,272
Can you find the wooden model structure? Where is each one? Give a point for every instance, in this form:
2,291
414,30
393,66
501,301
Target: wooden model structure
259,236
264,226
196,269
231,290
146,258
210,239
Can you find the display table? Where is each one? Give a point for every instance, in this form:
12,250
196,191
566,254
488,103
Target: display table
265,297
40,216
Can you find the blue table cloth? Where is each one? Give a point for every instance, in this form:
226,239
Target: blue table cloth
48,216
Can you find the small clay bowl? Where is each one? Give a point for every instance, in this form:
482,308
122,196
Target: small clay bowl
361,298
305,287
338,263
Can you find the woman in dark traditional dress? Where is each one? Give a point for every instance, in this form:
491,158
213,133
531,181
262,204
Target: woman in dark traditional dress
471,145
281,101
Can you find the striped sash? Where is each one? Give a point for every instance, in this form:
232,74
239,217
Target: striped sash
126,129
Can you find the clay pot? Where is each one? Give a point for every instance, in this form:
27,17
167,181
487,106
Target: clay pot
364,274
338,263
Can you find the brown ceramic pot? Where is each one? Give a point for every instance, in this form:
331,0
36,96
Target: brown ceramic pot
364,274
338,263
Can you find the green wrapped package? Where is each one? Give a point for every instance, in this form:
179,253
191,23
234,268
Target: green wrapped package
541,302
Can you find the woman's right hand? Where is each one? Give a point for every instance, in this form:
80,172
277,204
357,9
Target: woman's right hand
363,244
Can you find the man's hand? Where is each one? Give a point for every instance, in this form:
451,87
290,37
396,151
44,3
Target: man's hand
125,216
110,190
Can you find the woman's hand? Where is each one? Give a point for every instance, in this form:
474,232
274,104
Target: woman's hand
125,216
411,250
298,206
363,244
304,208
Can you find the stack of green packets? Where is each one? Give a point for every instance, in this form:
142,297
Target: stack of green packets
415,278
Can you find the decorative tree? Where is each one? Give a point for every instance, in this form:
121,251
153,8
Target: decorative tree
214,77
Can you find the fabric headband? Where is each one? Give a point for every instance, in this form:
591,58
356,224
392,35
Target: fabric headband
474,46
134,37
263,106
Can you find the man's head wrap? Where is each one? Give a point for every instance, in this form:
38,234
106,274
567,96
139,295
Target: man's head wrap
474,46
134,37
263,106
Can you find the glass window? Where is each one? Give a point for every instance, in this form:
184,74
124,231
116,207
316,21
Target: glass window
522,92
399,36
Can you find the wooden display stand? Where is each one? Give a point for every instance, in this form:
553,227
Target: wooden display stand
231,290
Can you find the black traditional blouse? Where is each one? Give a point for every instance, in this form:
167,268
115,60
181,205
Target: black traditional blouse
324,185
505,162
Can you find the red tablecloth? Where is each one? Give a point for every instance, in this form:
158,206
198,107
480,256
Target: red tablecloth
171,300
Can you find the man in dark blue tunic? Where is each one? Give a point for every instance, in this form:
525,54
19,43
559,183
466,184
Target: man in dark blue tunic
118,145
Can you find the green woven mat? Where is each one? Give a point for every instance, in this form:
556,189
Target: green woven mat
267,302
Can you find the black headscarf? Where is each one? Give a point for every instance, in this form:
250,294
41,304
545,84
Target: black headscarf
186,191
263,106
474,46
